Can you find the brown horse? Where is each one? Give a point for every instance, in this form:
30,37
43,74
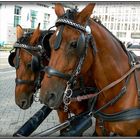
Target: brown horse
27,62
26,75
102,60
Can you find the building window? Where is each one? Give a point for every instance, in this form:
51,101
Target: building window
125,27
118,26
112,18
33,18
135,35
129,27
133,26
46,20
17,15
111,26
122,26
121,34
139,27
105,25
136,26
106,17
106,9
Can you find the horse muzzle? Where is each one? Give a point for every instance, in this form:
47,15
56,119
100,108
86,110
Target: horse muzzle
25,103
51,99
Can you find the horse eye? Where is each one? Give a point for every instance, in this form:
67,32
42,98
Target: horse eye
73,44
29,65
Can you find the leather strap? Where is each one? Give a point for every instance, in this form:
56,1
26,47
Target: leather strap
137,83
120,79
125,115
52,72
19,81
59,38
17,59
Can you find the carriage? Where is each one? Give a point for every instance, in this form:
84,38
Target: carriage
82,68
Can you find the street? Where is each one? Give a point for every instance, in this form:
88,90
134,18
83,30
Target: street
11,116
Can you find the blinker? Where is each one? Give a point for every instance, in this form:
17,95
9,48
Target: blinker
35,64
11,58
59,38
81,41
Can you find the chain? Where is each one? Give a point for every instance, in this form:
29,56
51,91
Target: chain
36,96
67,97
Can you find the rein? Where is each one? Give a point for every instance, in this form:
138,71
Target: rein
80,98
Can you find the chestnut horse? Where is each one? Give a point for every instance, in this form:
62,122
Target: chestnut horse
28,69
82,46
28,58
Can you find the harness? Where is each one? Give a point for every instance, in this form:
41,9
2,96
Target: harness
86,38
39,53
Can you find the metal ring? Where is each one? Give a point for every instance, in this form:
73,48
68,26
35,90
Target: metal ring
68,93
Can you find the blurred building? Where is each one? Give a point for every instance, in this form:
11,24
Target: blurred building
121,18
28,15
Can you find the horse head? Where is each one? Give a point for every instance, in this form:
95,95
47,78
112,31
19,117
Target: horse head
28,59
68,45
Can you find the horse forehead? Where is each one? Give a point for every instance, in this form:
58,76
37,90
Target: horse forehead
25,56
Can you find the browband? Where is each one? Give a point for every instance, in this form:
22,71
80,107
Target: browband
24,46
69,22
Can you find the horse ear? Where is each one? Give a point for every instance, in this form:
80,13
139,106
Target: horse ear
86,12
59,9
36,34
19,32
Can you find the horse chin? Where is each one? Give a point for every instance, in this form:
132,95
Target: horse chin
54,106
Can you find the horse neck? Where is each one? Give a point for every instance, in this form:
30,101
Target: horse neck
110,62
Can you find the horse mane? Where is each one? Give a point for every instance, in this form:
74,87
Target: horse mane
96,19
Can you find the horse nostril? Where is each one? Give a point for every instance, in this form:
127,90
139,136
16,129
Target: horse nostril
24,103
51,96
50,100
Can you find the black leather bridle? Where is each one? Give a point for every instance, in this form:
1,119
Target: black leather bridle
32,51
83,41
37,50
